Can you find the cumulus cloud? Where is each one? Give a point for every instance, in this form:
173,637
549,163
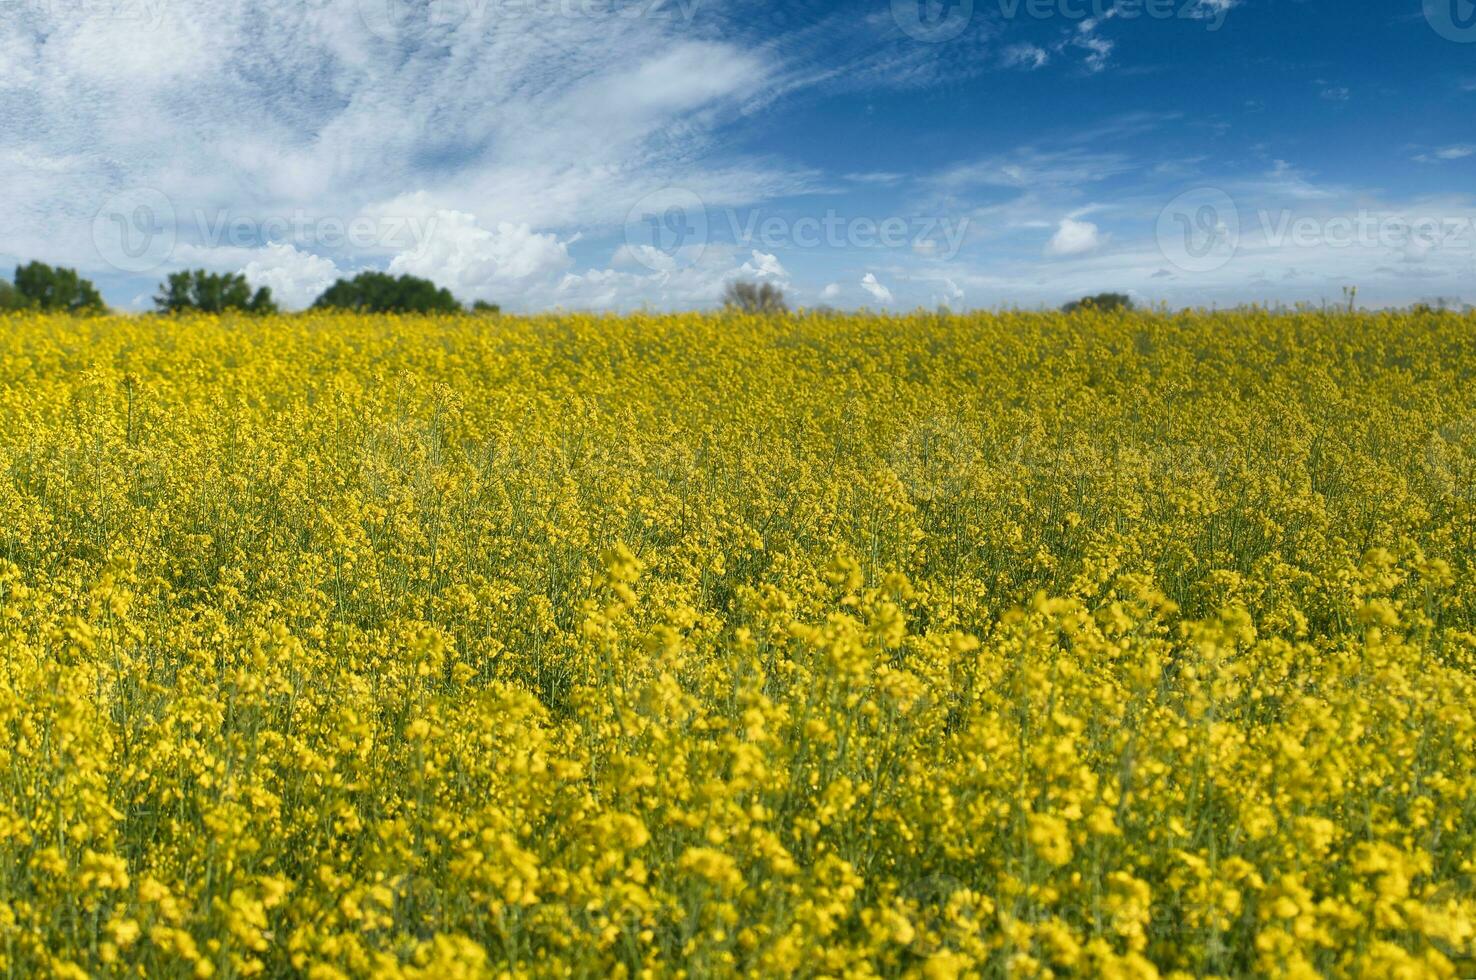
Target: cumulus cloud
876,290
498,263
295,278
764,266
1074,237
645,256
684,282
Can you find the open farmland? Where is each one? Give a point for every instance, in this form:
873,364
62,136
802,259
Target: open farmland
941,646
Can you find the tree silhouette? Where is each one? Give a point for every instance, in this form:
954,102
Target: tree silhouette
209,292
41,287
748,297
379,292
1107,302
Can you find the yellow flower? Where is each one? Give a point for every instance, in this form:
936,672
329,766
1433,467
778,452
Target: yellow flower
841,645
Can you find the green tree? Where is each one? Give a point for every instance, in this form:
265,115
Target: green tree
1102,301
210,292
485,308
379,292
9,298
41,287
748,297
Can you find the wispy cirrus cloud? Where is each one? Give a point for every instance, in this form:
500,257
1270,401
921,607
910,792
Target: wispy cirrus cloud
267,108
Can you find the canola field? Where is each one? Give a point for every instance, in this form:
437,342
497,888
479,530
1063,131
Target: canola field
989,645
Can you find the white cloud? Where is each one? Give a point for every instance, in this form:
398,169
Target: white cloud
674,285
1446,154
876,290
533,128
1214,10
1027,56
645,256
879,177
1030,168
1098,51
1074,237
295,278
629,104
763,266
512,138
1398,253
948,293
1283,182
497,264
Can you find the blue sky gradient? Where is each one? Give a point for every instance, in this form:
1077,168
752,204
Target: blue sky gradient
604,154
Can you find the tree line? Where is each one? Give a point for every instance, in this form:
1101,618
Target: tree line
41,287
38,286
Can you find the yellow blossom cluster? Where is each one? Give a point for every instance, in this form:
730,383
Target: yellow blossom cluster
937,646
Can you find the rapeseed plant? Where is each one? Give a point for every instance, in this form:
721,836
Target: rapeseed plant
1016,644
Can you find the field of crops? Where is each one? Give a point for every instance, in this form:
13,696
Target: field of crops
947,646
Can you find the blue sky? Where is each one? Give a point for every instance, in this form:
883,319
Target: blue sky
621,154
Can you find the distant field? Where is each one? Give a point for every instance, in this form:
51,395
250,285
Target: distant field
984,645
